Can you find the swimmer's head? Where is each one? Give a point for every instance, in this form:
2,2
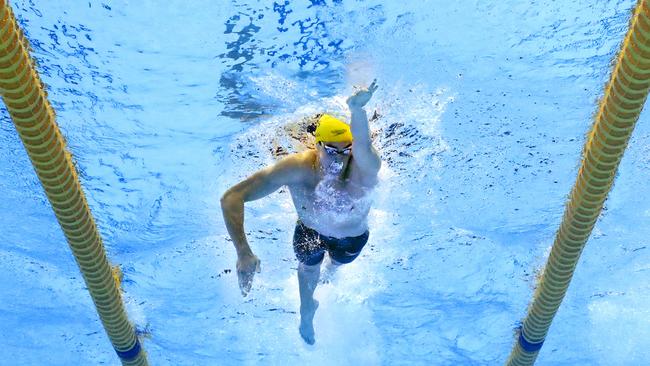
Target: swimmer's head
334,157
332,129
333,139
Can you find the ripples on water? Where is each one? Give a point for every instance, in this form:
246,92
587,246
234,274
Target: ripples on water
483,109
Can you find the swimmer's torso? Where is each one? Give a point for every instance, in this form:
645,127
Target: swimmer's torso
331,206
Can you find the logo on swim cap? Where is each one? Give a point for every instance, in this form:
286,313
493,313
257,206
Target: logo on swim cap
332,129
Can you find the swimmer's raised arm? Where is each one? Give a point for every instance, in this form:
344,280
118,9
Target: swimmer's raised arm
365,155
264,182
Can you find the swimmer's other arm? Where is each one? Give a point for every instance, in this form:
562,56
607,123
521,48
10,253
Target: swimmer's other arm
364,153
264,182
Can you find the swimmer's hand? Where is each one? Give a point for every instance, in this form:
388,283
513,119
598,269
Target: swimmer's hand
247,265
362,96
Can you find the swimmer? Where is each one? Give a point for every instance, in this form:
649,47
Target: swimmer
329,186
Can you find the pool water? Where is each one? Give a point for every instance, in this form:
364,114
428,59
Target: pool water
483,110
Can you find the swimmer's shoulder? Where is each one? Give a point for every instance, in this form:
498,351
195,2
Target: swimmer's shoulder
301,164
304,159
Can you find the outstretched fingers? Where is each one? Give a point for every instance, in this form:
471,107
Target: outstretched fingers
246,278
245,282
373,86
361,96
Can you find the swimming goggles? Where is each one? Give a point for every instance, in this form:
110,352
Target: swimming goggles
331,150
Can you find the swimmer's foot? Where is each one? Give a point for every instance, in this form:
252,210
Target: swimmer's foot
327,275
307,324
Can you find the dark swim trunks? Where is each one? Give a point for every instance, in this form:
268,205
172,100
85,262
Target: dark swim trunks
310,246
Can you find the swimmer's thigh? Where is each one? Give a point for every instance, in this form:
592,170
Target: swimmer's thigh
348,249
307,245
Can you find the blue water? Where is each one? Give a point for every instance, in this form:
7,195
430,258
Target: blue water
484,109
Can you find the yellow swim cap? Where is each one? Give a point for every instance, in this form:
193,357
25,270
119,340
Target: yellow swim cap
332,129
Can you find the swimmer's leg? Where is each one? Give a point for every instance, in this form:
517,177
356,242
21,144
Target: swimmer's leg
330,269
307,282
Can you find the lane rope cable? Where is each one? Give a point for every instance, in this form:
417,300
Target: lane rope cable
618,112
33,116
